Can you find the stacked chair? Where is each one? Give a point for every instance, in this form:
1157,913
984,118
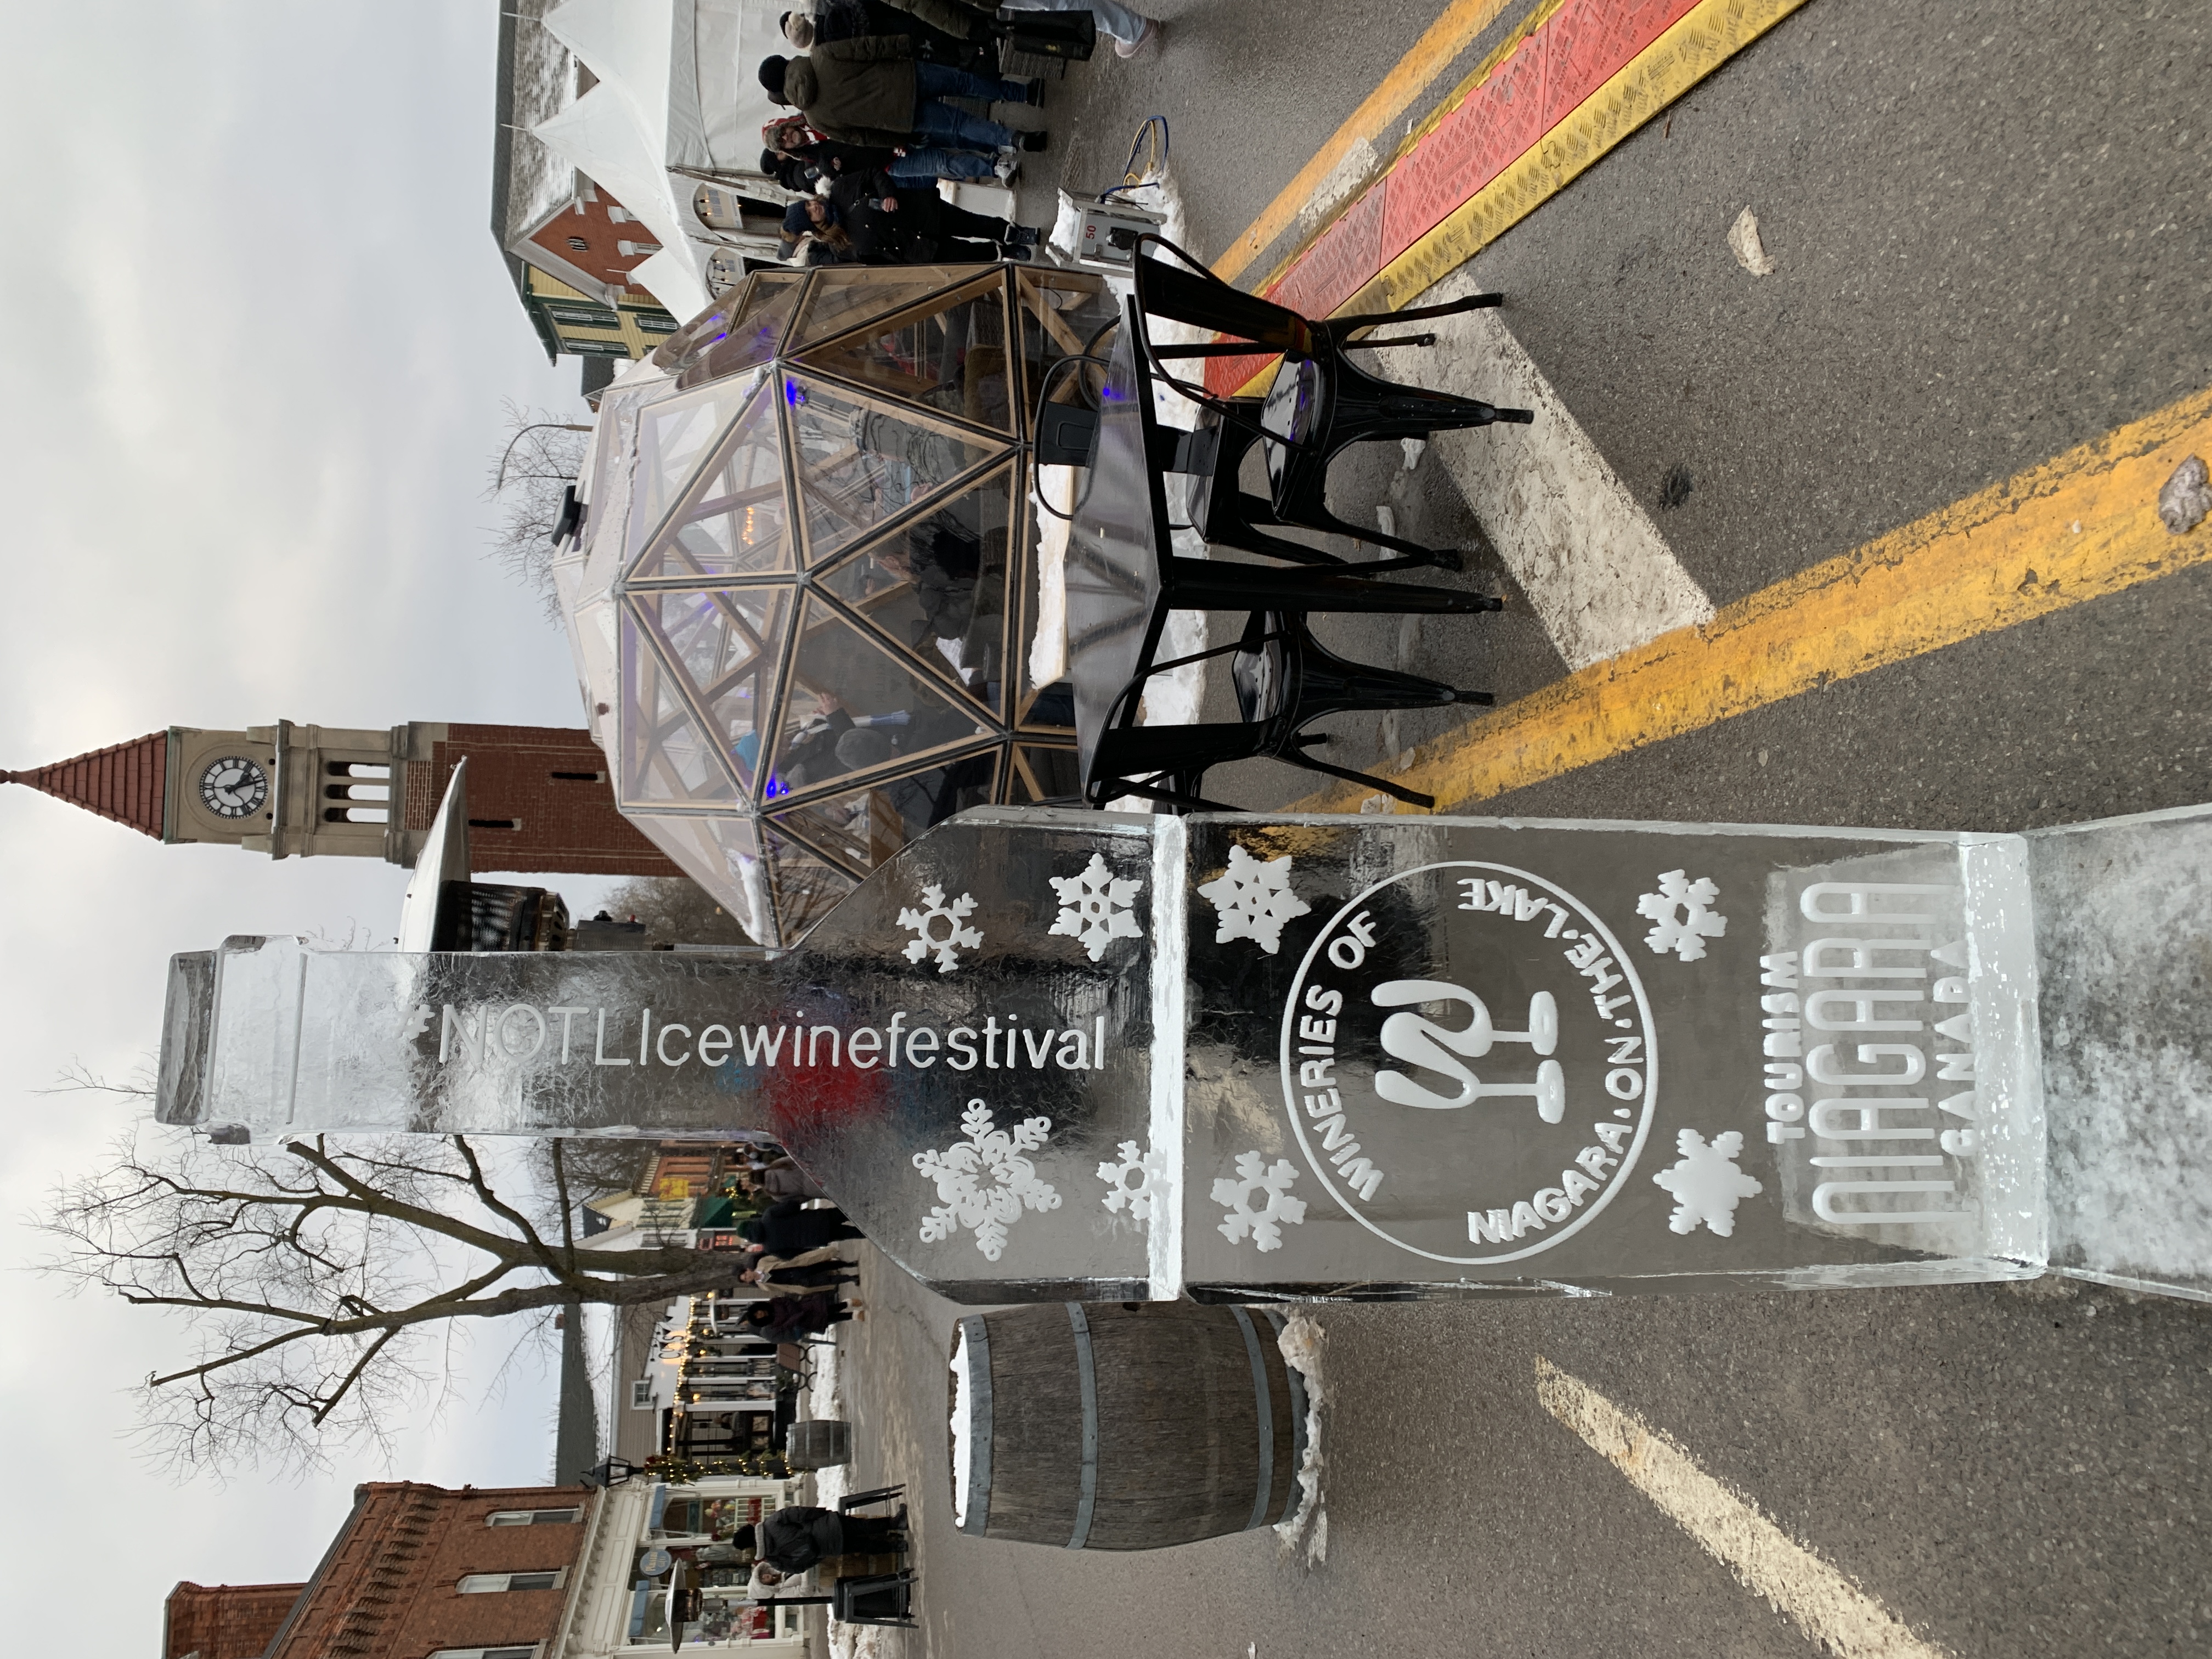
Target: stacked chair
1323,403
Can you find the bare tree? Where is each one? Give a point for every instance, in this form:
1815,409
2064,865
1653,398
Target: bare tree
542,457
676,910
321,1284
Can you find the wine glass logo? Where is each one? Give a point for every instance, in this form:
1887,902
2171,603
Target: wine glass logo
1422,1042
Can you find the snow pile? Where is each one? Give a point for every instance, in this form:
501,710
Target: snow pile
963,1443
1301,1342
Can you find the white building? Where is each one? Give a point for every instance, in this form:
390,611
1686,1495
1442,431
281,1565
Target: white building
616,1611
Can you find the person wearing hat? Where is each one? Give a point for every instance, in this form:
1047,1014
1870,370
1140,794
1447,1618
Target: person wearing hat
906,226
874,90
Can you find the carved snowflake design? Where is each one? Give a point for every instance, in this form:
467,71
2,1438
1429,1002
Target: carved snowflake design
1706,1184
1254,900
1684,934
1149,1196
1095,906
1255,1174
984,1182
955,938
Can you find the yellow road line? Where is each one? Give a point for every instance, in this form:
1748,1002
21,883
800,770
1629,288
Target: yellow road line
1697,44
1828,1607
2073,529
1431,55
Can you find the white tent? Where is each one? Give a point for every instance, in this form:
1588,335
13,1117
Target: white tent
678,98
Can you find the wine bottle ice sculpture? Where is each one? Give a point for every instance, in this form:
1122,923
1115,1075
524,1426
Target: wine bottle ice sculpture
1043,1054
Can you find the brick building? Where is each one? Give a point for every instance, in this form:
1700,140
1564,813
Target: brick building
540,798
224,1621
419,1572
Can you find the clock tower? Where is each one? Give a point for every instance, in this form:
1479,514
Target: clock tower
540,797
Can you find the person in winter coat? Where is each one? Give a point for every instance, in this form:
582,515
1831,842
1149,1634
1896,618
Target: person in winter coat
894,225
794,1318
977,20
874,91
799,1535
788,1230
847,20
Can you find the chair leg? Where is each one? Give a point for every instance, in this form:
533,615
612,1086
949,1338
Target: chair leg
1417,557
1411,797
1205,585
1340,326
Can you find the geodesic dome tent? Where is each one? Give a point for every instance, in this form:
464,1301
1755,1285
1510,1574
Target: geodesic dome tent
805,590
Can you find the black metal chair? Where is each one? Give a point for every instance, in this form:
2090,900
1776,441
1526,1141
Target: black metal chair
1285,679
883,1599
1323,403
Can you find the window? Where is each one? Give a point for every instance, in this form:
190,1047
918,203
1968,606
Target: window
491,1583
640,1396
622,216
632,250
579,777
533,1517
655,322
578,245
529,1651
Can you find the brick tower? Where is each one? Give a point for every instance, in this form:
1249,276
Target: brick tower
540,798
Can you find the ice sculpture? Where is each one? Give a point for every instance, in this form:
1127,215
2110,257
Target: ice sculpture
1348,1056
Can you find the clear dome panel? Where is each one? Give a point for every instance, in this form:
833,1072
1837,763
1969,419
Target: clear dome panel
729,643
806,886
752,333
845,297
861,461
938,584
864,828
1062,312
734,519
1042,773
675,437
855,706
946,354
722,854
665,753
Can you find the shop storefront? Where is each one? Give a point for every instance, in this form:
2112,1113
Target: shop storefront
646,1537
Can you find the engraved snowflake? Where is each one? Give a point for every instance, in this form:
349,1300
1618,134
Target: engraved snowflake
1685,935
1095,906
1254,899
984,1182
1706,1184
1254,1175
1150,1195
949,946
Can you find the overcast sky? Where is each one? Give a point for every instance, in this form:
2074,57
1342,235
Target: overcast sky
256,341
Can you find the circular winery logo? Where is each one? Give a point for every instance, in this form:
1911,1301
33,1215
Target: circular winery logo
1467,1062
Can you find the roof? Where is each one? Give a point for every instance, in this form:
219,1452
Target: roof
125,781
536,78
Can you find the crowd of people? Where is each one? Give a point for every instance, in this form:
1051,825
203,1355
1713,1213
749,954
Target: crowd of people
874,132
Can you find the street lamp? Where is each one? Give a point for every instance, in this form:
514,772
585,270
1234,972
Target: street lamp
611,1473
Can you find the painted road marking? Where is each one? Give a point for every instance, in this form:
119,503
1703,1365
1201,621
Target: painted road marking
1595,569
1350,156
1766,1561
2077,527
1586,77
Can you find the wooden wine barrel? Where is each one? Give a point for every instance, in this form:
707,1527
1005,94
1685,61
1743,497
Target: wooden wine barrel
1104,1426
817,1443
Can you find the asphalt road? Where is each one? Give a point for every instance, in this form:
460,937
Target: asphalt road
1993,242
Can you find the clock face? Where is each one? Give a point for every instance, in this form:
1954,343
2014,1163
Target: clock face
233,786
